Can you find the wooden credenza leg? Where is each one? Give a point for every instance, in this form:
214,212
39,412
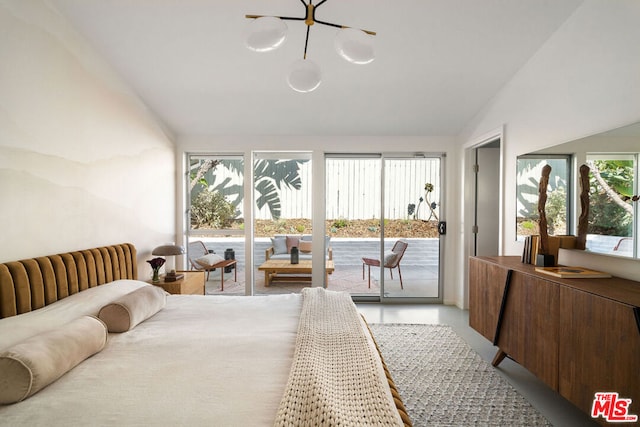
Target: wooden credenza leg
499,357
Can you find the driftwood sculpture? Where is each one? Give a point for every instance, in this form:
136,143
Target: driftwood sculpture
542,215
583,220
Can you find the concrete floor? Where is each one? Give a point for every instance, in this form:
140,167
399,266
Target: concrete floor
554,407
419,279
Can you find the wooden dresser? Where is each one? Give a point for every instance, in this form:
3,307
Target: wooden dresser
579,336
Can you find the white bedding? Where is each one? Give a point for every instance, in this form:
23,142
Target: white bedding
202,360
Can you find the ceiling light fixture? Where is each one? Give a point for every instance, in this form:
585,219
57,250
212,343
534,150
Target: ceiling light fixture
267,33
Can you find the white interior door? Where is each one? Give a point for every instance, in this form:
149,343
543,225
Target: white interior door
487,224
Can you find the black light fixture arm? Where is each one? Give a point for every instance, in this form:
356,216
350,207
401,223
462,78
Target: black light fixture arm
285,18
306,42
309,19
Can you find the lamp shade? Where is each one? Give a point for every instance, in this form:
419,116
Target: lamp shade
166,250
355,46
304,76
265,33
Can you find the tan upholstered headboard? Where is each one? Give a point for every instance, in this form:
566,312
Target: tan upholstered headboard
30,284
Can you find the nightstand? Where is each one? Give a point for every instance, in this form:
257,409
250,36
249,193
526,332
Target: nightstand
192,283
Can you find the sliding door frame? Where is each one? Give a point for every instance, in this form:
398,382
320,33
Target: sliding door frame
441,241
320,214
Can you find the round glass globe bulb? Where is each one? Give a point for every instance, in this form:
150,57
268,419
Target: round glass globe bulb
265,34
355,46
304,76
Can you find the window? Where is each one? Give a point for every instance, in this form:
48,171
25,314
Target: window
283,207
371,201
215,217
215,192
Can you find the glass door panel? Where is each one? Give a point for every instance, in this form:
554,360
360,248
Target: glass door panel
282,222
215,192
353,207
411,251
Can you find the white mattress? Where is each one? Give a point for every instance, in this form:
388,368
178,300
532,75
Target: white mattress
202,360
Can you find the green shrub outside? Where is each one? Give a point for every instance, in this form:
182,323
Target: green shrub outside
210,209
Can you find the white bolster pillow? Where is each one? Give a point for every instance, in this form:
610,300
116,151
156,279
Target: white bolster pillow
31,365
133,308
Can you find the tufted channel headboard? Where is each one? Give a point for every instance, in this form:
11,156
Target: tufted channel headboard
30,284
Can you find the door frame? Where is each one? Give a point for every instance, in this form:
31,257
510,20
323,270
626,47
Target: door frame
468,208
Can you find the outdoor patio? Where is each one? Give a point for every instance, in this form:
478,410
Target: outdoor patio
419,268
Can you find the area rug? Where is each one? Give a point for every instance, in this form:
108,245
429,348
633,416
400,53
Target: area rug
443,382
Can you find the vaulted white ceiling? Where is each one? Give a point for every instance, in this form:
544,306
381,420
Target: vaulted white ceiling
438,62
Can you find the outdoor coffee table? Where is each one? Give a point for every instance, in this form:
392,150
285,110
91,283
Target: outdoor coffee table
275,269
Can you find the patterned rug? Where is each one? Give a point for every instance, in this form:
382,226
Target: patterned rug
443,382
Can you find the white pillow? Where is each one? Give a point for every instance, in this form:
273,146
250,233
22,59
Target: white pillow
209,260
389,257
31,365
129,310
279,244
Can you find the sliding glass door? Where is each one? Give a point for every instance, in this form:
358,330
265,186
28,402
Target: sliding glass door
382,217
353,220
412,209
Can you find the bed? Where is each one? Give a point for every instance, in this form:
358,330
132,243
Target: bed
296,359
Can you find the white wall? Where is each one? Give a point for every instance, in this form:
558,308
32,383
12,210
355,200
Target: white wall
362,144
584,80
82,163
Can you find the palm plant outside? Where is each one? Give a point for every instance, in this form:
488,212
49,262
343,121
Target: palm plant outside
270,176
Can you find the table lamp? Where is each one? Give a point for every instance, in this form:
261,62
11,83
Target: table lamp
169,251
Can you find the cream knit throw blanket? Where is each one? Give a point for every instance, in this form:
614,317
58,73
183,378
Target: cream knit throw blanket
336,377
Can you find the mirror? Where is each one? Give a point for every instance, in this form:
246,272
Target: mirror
625,139
613,158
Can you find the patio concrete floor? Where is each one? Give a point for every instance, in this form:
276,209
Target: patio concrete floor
419,269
